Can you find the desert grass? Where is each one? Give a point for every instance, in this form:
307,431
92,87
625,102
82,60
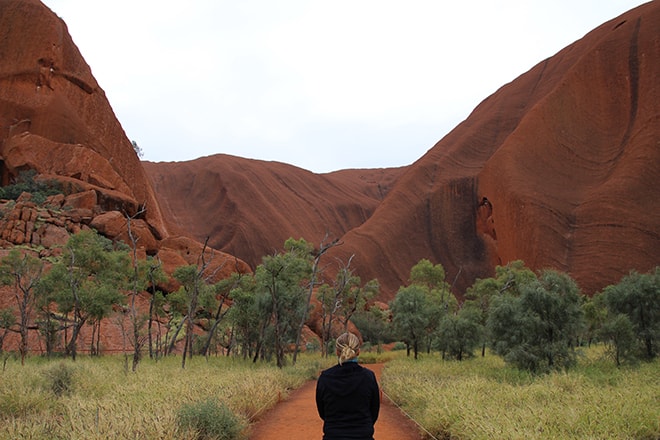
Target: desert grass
97,398
482,398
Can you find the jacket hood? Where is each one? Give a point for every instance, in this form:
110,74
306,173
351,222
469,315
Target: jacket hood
346,378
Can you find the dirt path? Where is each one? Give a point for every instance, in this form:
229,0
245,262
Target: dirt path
296,418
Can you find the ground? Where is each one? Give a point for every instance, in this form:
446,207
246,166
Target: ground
296,418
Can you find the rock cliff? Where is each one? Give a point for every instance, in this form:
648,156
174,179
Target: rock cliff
56,120
249,208
558,168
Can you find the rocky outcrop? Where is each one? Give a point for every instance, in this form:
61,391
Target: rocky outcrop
55,118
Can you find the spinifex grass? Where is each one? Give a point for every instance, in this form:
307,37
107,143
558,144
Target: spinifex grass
482,398
106,402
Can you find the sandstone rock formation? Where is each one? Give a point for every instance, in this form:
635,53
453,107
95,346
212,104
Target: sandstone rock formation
567,157
55,119
559,168
249,208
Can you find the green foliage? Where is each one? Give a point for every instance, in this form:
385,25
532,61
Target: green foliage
248,314
60,378
25,182
538,329
418,309
209,420
87,281
621,341
344,301
410,315
373,324
7,319
637,297
460,334
283,278
137,149
23,273
595,314
398,346
424,273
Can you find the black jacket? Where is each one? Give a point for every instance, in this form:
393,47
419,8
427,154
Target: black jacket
348,401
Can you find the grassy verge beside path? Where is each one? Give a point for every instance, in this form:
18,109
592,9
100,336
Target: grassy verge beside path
94,398
482,398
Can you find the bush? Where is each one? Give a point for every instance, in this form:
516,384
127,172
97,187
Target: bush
60,378
209,420
25,182
399,346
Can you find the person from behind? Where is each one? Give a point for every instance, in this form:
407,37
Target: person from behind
347,395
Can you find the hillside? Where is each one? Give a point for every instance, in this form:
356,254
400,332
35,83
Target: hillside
249,208
558,168
56,120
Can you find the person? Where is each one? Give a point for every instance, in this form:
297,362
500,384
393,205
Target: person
347,395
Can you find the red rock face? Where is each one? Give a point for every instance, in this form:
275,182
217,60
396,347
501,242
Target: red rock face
559,168
249,208
54,117
568,157
56,120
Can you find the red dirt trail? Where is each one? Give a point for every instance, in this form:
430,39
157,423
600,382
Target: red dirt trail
296,418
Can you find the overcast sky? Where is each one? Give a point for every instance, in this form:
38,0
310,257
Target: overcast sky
323,85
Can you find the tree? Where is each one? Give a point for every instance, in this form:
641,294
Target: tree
197,293
479,296
620,339
194,294
341,301
7,321
637,296
86,282
250,316
223,294
508,280
461,333
137,149
23,272
373,324
323,248
440,300
410,317
154,275
511,277
595,315
537,330
137,284
283,276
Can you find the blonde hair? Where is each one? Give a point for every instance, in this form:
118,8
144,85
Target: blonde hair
348,347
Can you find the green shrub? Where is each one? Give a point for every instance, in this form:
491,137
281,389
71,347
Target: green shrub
25,182
399,346
60,378
209,420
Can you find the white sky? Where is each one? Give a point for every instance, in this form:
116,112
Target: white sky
323,85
